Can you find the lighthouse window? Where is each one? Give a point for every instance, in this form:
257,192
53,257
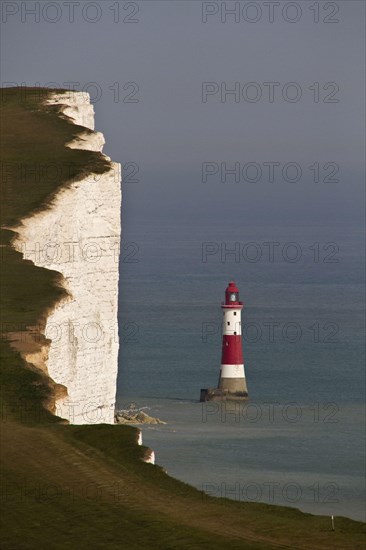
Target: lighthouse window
228,322
234,332
234,312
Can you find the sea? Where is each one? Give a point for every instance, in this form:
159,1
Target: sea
299,440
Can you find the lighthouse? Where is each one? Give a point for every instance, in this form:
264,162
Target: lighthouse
232,376
232,383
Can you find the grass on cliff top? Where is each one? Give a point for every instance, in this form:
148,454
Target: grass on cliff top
86,487
35,160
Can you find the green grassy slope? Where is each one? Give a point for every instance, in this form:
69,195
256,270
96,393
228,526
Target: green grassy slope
67,487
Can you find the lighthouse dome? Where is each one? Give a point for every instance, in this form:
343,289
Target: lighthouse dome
232,287
232,294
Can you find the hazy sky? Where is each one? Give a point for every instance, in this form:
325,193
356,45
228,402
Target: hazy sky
297,69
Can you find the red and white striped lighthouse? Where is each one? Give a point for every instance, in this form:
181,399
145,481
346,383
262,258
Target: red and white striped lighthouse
232,374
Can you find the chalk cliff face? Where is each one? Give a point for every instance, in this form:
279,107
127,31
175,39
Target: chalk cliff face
79,236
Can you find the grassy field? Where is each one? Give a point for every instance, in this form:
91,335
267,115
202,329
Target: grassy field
67,487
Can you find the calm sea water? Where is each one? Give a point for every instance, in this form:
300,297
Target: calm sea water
300,439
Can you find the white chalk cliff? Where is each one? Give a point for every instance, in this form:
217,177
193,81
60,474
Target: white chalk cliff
79,236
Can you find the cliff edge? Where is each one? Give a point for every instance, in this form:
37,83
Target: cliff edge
78,235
